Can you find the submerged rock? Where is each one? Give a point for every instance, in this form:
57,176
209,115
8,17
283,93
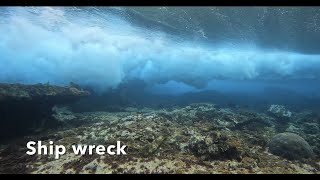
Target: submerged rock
310,128
151,148
215,147
253,121
290,146
26,108
293,129
22,92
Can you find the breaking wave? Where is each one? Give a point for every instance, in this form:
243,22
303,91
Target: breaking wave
59,45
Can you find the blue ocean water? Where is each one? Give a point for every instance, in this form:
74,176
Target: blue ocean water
174,50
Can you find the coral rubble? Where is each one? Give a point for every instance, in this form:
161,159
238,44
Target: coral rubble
199,138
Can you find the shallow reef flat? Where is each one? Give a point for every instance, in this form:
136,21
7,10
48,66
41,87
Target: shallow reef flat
199,138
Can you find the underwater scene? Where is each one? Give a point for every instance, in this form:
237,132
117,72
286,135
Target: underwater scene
174,90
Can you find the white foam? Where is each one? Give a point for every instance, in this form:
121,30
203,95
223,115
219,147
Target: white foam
58,48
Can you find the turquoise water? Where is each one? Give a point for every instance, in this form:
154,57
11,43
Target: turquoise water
189,48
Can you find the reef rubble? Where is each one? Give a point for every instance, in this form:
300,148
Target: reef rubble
199,138
27,108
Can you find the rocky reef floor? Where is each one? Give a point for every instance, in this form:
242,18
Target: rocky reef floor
199,138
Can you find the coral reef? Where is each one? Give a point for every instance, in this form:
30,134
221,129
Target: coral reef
198,138
216,146
290,146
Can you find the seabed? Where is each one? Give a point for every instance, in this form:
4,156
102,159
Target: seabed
198,138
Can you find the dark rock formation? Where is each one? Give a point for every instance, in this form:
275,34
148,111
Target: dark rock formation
26,108
290,146
215,147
